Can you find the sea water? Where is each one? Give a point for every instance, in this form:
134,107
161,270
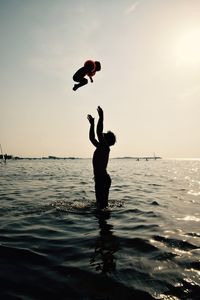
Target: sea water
55,244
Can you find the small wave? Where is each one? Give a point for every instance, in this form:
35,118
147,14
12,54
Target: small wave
175,243
194,234
164,255
136,211
195,265
189,218
15,254
138,244
146,227
193,193
155,184
154,203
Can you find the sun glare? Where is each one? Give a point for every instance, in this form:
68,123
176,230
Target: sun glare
188,47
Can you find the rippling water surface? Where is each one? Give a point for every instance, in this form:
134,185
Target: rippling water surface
55,244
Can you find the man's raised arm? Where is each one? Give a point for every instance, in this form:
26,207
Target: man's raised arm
91,131
100,124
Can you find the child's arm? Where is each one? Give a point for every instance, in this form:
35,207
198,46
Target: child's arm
100,125
90,75
91,131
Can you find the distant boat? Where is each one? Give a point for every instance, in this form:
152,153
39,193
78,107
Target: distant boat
2,156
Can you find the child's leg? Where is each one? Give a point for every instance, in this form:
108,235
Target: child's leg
82,82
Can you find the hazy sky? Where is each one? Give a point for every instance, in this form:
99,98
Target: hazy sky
149,85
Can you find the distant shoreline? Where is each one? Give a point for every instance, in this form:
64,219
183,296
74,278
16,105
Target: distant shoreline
136,158
71,158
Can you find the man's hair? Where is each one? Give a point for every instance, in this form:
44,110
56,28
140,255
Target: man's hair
97,66
110,138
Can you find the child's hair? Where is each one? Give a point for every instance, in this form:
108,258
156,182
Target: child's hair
97,66
110,138
90,65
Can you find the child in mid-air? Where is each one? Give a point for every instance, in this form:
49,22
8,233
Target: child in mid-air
100,158
90,68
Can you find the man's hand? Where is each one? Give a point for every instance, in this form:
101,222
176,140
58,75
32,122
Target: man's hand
90,119
100,111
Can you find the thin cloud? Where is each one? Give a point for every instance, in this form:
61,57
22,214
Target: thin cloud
192,92
131,8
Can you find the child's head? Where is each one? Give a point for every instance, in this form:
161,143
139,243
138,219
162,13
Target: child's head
90,65
110,138
97,66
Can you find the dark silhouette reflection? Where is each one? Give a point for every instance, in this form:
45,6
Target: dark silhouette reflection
106,245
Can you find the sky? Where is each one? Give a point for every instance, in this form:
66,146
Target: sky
148,87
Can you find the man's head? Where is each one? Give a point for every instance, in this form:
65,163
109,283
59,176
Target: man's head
110,138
